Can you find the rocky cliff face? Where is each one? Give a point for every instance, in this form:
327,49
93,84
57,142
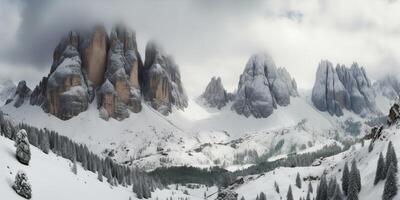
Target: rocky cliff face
262,87
22,94
162,85
388,86
215,94
109,67
341,88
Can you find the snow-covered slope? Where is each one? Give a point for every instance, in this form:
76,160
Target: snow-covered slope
198,136
331,167
51,177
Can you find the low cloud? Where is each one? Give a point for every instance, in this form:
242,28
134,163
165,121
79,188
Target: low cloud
209,38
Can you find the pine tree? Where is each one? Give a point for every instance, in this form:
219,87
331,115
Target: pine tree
345,178
298,180
21,185
74,168
391,157
332,187
390,189
276,187
371,146
242,198
308,195
23,152
322,192
337,194
289,195
380,169
353,183
310,188
263,196
99,176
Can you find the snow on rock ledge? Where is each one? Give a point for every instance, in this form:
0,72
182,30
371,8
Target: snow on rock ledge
262,86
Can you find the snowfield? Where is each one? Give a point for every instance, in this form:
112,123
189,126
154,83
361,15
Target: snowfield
331,166
199,136
51,178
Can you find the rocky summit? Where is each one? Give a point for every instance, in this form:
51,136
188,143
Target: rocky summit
262,87
215,94
341,88
91,65
161,80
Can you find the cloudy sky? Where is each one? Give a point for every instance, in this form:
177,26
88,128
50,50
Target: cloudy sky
213,38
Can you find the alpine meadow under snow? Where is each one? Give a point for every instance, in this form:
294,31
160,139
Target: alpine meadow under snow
118,112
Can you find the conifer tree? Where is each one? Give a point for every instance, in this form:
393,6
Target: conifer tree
332,187
308,195
337,194
22,186
390,189
380,169
322,191
276,187
298,180
74,168
391,157
345,178
353,182
310,188
23,152
289,195
263,196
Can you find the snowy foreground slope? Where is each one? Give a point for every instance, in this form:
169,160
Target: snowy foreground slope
51,177
331,166
198,136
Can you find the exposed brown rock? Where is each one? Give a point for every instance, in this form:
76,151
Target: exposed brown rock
95,56
162,81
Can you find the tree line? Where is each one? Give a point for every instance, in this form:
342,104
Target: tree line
46,140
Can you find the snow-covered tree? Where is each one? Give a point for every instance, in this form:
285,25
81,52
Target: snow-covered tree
352,192
263,196
22,186
390,189
345,178
99,176
298,180
308,196
23,152
332,187
391,157
380,169
337,194
289,195
74,168
276,187
310,188
322,191
242,198
371,146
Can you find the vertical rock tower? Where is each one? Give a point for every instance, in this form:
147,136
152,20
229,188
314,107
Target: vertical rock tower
93,65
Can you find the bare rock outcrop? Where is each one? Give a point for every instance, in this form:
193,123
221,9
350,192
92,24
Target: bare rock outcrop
343,88
21,95
162,85
262,87
109,67
94,55
215,94
122,74
388,86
